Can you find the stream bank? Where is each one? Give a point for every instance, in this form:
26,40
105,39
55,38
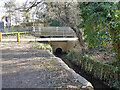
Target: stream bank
97,84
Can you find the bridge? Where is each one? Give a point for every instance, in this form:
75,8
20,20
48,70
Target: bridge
58,37
53,32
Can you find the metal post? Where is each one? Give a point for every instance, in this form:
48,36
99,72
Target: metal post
3,26
33,23
8,26
63,33
18,38
7,20
0,36
39,29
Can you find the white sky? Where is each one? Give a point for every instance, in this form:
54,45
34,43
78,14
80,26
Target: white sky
2,10
20,2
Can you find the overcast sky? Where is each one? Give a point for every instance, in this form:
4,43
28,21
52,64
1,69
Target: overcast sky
2,10
20,2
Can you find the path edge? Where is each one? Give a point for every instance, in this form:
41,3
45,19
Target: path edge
75,75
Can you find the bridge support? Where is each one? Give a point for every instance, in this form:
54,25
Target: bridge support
64,45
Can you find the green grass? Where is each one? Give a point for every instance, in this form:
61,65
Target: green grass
43,46
48,67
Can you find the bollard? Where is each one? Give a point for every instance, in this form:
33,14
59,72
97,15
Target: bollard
0,36
18,38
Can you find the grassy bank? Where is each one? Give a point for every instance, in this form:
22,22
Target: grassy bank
107,73
43,46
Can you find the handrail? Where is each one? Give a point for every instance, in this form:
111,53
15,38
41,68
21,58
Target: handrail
54,31
18,36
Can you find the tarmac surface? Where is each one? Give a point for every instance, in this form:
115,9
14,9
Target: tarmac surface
24,66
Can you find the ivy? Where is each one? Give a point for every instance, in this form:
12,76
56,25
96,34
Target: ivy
101,24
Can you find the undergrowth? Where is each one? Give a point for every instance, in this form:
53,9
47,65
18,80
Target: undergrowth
43,46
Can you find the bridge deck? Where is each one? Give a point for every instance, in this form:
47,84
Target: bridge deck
44,39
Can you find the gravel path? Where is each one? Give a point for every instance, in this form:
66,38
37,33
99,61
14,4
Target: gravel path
24,66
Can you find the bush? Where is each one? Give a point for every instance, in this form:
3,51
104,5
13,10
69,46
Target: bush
99,70
43,46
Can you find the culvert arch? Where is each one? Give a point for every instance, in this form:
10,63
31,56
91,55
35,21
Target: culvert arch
58,51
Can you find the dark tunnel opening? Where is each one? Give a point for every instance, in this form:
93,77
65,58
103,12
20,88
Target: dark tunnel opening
58,51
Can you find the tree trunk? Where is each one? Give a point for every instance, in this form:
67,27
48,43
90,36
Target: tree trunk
117,47
80,39
73,26
116,44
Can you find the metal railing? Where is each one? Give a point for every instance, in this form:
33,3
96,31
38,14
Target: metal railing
45,31
19,29
54,31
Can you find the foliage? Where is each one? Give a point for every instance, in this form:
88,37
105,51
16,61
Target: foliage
97,69
27,23
10,9
117,84
65,13
71,53
101,24
26,16
54,22
43,46
48,67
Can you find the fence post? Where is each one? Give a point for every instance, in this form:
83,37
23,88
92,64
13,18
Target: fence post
0,36
18,38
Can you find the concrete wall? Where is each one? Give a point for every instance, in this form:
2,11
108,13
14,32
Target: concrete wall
65,46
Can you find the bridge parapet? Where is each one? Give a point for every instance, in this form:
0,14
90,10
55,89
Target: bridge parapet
54,31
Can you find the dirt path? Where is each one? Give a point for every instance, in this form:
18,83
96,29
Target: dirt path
26,67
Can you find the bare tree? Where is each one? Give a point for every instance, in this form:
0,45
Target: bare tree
10,8
66,12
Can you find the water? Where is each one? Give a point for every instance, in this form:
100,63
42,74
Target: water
97,84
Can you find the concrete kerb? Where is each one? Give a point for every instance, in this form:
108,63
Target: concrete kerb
77,76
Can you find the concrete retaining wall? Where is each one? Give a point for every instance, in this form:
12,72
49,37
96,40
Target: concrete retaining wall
64,45
77,76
